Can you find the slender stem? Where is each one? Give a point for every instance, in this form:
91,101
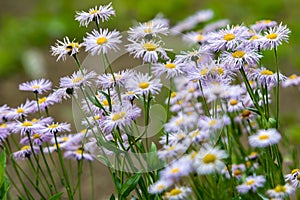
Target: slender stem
204,99
92,180
277,86
38,105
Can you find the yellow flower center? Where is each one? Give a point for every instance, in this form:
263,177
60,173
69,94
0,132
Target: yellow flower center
144,85
266,72
209,158
72,45
203,72
199,38
3,125
233,102
255,37
101,40
25,148
36,87
118,116
53,126
105,102
175,170
34,120
93,12
20,110
229,36
295,171
36,136
238,54
174,192
237,172
173,94
293,76
64,139
217,69
149,46
272,36
97,117
194,154
250,182
148,30
263,137
77,79
280,188
27,123
79,151
130,92
160,187
212,122
170,65
179,121
42,100
171,148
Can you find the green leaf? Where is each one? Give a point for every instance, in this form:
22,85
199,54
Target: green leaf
112,197
2,167
130,185
262,197
56,196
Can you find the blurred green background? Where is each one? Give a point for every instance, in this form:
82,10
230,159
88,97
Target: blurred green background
28,29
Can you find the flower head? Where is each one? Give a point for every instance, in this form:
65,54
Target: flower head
251,183
264,138
275,36
36,86
64,48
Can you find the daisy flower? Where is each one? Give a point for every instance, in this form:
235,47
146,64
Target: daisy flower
147,30
5,129
251,183
199,136
45,102
209,123
37,138
292,80
171,69
107,81
78,154
78,79
275,36
178,193
280,191
57,127
215,25
234,105
171,151
101,42
263,25
227,39
293,177
64,48
159,186
143,84
209,160
201,55
36,86
27,127
240,57
95,14
120,116
195,37
149,51
265,76
21,111
25,152
176,170
181,122
264,138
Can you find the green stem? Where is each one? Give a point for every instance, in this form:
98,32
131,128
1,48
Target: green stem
277,86
92,180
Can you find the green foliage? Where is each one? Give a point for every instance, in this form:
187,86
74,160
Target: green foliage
4,184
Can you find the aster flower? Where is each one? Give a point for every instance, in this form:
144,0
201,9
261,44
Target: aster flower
143,84
5,129
171,151
107,81
152,28
21,111
201,55
120,116
199,136
36,86
265,76
54,128
45,102
177,169
95,14
37,138
211,27
292,80
264,138
195,37
171,69
236,171
209,123
175,137
239,57
101,42
159,186
293,178
251,183
78,79
64,48
148,50
275,36
264,24
228,39
78,154
234,105
181,122
280,191
27,127
178,193
25,152
209,160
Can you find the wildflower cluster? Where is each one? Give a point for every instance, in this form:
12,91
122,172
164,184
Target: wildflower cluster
219,139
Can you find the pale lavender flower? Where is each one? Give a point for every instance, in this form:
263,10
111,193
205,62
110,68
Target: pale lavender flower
21,111
27,127
101,42
78,79
251,183
57,127
37,138
264,76
78,154
107,81
171,151
36,86
96,14
177,169
275,36
280,191
64,48
25,152
178,193
262,25
159,186
292,80
171,69
264,138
